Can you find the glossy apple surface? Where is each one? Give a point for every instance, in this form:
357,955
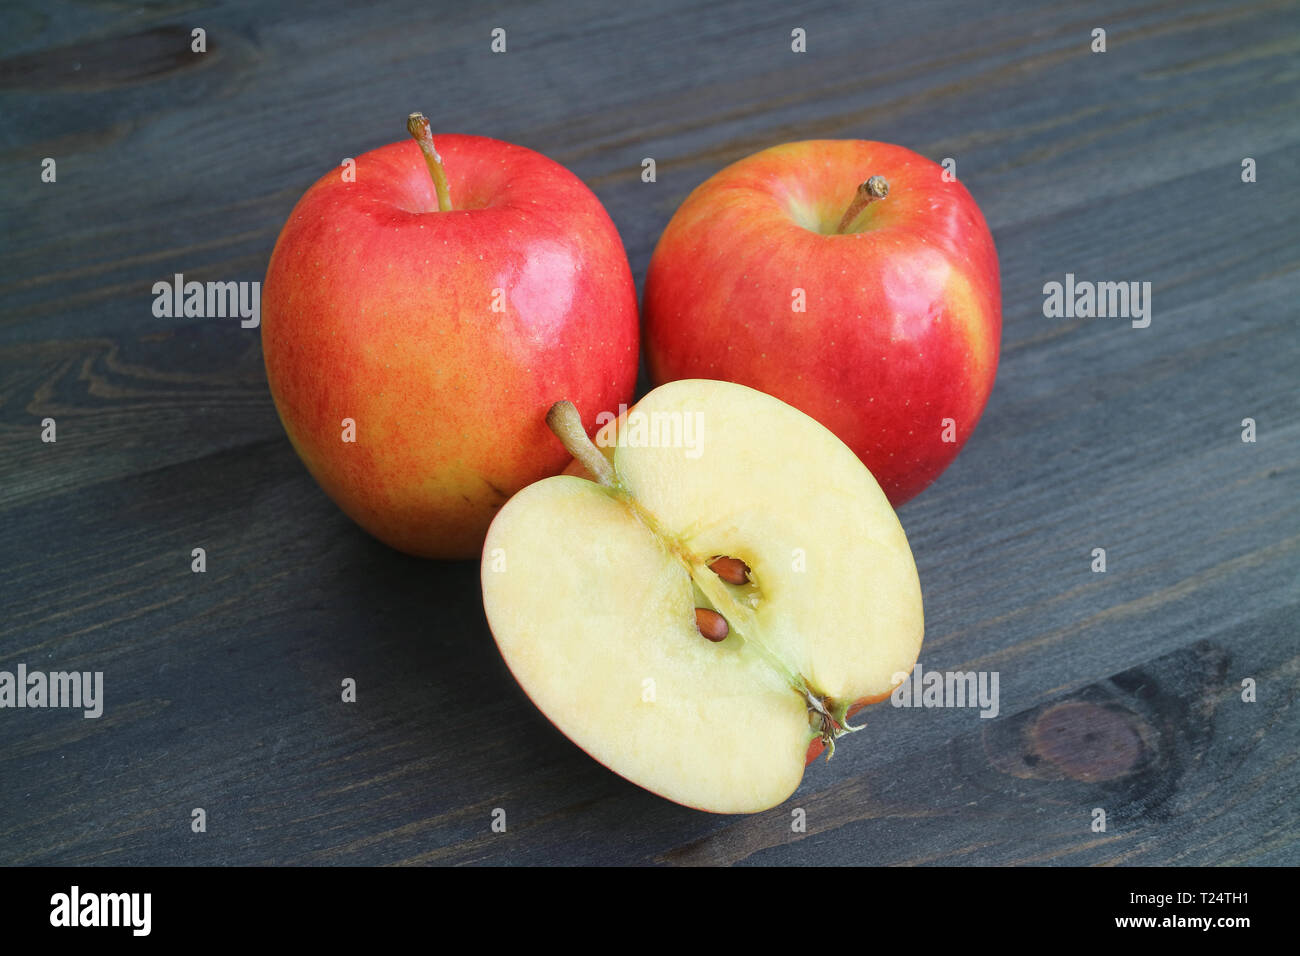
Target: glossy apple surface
444,336
897,345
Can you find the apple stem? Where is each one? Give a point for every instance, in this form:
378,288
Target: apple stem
874,188
564,420
418,127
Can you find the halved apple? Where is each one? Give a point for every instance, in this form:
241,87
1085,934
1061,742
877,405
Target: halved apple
706,613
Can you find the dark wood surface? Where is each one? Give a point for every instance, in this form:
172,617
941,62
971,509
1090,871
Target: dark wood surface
1119,690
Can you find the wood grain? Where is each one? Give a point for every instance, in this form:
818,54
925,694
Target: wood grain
1119,690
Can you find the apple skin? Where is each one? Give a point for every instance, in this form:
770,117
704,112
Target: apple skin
903,318
379,308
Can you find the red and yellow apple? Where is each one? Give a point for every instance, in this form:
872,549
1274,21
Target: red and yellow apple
876,310
438,301
706,595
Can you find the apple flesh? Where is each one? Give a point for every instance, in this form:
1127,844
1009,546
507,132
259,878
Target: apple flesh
443,335
592,590
885,327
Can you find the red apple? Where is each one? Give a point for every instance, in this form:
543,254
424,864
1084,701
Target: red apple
896,348
443,318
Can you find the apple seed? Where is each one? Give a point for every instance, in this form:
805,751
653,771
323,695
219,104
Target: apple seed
731,570
711,624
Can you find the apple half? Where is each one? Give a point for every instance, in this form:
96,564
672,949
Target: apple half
706,614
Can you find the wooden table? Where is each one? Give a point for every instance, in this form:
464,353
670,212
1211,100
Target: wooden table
1119,690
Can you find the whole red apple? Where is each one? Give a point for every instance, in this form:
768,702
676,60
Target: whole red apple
419,316
876,309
